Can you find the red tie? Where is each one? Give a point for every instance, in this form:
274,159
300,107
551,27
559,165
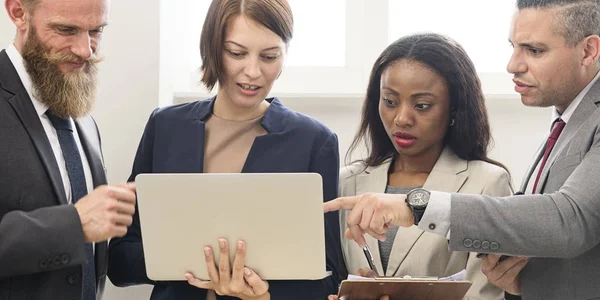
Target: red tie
556,130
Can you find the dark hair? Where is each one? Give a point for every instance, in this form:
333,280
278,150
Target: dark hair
276,15
469,137
577,19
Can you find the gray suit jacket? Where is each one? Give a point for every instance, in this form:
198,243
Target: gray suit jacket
559,229
420,253
41,240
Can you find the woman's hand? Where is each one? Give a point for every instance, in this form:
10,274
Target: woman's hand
366,272
239,281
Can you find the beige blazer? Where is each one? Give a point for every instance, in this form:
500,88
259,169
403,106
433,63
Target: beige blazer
419,253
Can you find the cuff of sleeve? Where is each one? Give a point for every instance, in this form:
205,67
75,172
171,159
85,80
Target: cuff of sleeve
436,218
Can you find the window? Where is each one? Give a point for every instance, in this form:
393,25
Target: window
481,27
336,42
319,33
319,42
188,20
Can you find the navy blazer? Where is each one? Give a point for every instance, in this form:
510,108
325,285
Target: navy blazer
173,142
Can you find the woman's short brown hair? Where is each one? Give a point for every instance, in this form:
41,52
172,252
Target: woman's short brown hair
276,15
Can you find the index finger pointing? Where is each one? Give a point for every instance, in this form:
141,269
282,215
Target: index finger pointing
340,203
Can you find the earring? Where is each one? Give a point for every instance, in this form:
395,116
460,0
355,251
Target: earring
452,122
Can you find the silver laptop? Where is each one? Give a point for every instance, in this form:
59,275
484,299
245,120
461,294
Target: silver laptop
280,216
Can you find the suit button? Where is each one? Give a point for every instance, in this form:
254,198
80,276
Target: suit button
494,246
468,243
476,244
485,245
56,261
73,279
64,259
432,226
43,264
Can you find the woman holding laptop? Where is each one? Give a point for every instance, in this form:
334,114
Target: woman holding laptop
243,48
425,125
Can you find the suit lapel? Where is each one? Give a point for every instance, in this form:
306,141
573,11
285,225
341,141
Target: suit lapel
262,144
184,149
23,106
581,114
274,122
444,177
188,158
373,180
90,143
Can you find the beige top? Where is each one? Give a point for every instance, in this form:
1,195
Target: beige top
228,143
227,146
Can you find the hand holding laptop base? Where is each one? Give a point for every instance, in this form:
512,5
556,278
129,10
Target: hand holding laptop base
237,281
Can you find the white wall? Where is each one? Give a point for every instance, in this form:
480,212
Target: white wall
128,92
131,85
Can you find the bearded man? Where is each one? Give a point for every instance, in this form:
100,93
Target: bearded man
56,210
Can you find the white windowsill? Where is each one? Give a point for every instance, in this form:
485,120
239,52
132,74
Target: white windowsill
337,100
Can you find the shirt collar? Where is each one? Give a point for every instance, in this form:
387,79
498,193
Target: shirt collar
566,115
17,60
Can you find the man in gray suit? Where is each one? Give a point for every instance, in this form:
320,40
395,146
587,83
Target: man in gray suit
552,232
56,211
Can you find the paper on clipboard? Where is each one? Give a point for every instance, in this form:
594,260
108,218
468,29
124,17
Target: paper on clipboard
453,287
460,276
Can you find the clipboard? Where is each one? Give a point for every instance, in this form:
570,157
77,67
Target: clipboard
403,289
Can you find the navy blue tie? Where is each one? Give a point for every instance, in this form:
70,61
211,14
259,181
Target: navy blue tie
64,130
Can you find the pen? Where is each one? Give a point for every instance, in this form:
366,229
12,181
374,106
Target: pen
370,260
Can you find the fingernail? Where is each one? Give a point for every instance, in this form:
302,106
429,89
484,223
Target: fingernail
207,251
222,243
247,271
240,245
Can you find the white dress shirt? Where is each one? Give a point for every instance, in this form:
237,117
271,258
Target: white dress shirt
438,210
41,108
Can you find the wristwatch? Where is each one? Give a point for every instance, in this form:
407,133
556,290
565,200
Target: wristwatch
417,200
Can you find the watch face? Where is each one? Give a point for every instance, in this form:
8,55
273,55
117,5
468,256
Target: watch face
418,198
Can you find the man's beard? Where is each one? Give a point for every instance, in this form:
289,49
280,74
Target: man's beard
67,95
